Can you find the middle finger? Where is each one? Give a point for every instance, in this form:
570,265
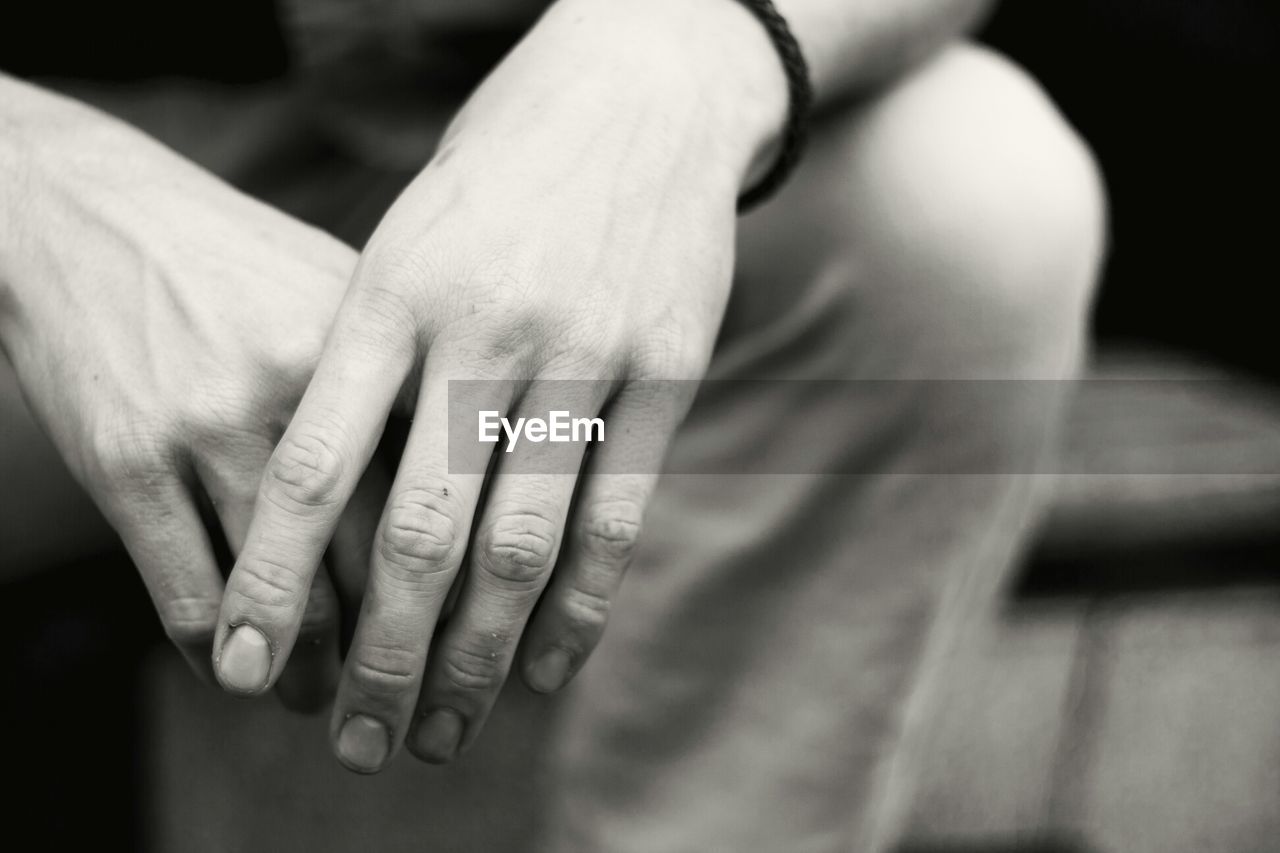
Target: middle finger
419,549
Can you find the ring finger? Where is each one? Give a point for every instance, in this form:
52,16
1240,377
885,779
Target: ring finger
514,550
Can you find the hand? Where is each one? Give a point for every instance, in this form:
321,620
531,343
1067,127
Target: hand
577,223
163,327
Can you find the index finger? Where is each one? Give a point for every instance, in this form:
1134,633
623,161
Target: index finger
306,486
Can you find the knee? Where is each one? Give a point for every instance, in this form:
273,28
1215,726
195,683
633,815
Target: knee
977,216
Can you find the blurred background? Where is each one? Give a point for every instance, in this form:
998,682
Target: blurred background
1126,697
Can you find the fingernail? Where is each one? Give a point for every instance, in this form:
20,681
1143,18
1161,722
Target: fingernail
245,661
438,735
363,744
549,672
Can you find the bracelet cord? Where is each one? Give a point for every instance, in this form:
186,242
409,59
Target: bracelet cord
800,94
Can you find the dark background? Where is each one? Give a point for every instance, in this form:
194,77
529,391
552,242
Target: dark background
1178,100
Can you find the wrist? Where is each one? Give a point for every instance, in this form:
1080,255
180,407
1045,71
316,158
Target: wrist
711,51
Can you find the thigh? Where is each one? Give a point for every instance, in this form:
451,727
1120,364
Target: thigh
761,666
959,201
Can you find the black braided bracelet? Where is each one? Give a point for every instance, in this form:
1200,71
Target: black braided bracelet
800,91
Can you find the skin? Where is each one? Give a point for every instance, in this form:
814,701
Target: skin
163,356
480,271
577,221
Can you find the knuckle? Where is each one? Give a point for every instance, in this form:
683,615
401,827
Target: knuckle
291,359
586,611
268,583
513,334
392,268
588,336
128,454
518,549
672,351
583,357
687,365
384,672
189,621
216,404
390,310
421,531
611,531
223,442
478,669
307,468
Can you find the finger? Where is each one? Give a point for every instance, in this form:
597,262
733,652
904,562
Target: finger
515,547
311,474
420,545
311,677
602,535
513,550
160,525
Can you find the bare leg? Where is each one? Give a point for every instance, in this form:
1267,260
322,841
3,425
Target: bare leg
772,644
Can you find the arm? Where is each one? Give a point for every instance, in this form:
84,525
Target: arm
161,327
577,222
